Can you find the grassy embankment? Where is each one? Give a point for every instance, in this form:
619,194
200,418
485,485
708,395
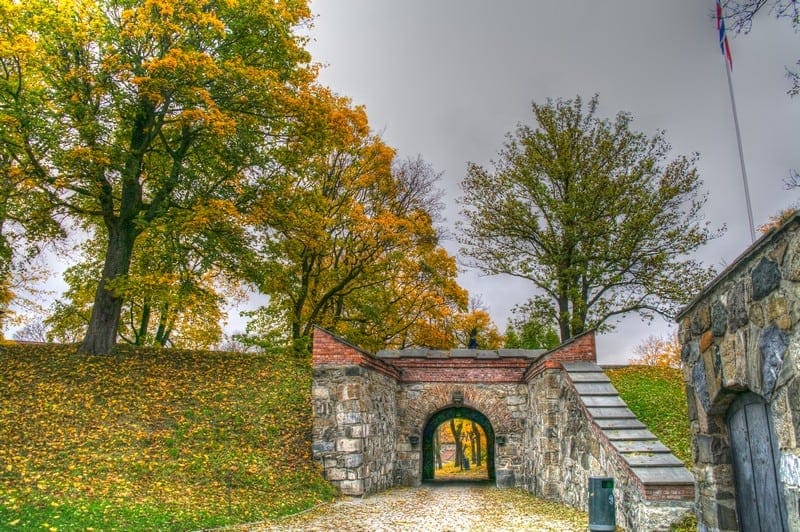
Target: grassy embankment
658,398
173,439
152,439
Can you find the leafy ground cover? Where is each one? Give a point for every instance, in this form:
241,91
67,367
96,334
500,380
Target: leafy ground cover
450,471
657,396
153,439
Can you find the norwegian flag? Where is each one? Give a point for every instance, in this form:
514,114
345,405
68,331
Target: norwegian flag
723,39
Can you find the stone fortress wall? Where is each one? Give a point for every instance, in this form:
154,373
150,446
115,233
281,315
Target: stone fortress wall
740,341
553,421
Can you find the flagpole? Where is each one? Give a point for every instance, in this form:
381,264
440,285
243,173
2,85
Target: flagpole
741,155
726,57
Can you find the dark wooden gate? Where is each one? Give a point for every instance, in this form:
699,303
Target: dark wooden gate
754,449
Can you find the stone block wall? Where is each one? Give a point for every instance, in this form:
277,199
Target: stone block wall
355,418
741,336
570,437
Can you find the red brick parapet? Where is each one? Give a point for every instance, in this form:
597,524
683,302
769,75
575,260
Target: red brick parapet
328,349
494,371
581,348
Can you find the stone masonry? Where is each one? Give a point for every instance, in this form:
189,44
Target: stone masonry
740,336
552,420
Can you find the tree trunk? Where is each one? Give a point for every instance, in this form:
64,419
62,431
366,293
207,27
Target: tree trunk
473,435
564,318
437,449
101,335
456,431
144,324
164,326
478,448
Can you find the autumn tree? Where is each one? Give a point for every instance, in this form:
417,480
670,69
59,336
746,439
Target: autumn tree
26,217
347,239
456,426
658,351
592,214
173,294
474,327
124,112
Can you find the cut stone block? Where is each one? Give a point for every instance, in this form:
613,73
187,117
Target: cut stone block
352,487
603,401
652,446
625,423
629,434
581,367
598,376
611,412
664,475
652,460
595,388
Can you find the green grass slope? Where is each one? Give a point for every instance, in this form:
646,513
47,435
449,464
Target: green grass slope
152,439
658,398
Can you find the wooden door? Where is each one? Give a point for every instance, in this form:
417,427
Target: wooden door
756,458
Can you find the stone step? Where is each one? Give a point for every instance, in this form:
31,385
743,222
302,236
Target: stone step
581,367
664,475
595,388
598,376
611,412
629,434
649,446
603,401
652,460
624,423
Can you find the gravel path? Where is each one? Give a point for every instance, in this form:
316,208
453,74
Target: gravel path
435,507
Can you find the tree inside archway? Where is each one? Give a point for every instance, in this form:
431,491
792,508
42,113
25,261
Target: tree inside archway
460,450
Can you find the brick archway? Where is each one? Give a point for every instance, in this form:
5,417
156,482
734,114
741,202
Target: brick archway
444,415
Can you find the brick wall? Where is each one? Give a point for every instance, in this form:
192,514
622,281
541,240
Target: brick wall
468,370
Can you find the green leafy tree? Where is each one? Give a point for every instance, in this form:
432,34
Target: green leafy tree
592,213
125,112
530,328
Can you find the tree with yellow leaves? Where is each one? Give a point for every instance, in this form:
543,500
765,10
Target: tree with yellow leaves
347,240
124,112
658,351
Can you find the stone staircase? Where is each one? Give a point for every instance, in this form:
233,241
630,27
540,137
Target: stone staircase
650,460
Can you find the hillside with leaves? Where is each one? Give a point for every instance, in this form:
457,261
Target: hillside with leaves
657,396
153,439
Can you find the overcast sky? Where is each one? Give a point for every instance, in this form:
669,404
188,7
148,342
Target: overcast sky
448,79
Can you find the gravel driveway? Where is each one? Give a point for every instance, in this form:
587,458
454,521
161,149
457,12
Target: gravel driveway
438,507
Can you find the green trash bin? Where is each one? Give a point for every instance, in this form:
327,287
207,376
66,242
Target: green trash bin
602,510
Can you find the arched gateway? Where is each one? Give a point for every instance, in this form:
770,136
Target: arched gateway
551,418
444,415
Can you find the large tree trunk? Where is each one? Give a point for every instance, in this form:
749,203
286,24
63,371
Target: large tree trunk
101,334
456,431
